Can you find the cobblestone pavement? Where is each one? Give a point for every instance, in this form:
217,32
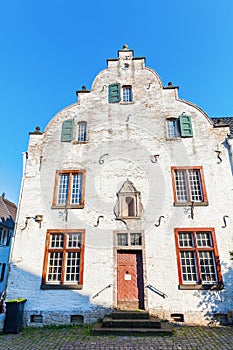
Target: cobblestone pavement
78,338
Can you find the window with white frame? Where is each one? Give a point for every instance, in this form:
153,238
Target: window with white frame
82,131
2,271
127,94
173,130
4,236
118,93
69,188
129,239
197,257
179,127
188,185
64,258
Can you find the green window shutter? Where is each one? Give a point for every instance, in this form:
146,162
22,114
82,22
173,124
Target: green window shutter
114,93
67,130
186,129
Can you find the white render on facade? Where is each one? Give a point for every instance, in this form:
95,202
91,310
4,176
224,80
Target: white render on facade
125,141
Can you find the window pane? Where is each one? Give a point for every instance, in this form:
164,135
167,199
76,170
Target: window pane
74,240
195,186
127,94
4,234
135,239
181,185
172,128
55,267
76,196
82,131
73,267
204,239
207,266
122,239
188,266
56,240
63,189
185,239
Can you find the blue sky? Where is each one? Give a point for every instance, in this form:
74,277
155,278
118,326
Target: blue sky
49,49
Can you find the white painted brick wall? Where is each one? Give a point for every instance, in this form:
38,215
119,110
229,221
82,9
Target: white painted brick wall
129,134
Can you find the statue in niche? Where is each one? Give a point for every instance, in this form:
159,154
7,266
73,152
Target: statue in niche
128,204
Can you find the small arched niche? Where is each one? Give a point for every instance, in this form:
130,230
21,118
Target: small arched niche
128,204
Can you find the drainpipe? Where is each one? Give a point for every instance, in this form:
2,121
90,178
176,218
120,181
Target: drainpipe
24,165
229,141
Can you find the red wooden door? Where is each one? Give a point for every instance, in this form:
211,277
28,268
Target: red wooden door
130,293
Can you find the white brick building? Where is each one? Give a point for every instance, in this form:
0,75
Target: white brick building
126,203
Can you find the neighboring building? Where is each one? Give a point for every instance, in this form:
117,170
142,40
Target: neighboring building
7,223
126,203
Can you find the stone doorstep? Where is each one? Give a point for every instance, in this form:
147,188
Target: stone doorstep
151,322
99,330
130,315
131,323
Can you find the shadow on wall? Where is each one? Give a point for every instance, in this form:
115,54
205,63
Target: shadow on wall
217,305
56,306
8,223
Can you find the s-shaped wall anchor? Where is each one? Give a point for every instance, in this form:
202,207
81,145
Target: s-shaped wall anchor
127,119
157,225
98,220
220,159
154,158
224,220
192,210
101,160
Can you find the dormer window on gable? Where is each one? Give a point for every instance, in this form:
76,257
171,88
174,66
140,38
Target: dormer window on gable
127,93
129,202
179,127
67,133
82,131
173,128
116,93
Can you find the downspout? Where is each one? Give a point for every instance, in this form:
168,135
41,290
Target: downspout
229,141
25,157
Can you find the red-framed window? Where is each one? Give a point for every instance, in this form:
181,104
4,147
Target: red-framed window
197,257
188,185
69,188
64,258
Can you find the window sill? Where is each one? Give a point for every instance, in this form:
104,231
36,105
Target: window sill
201,286
79,142
58,286
127,103
190,204
129,217
67,206
177,139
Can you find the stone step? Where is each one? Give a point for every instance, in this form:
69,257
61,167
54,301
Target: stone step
151,322
130,315
99,330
